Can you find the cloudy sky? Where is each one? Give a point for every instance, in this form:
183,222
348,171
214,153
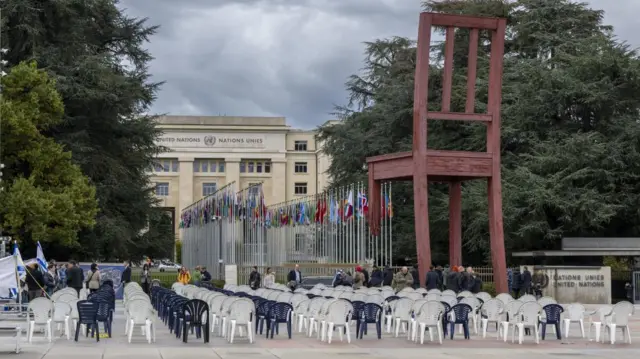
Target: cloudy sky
280,57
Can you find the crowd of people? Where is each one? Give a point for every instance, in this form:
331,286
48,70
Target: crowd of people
38,283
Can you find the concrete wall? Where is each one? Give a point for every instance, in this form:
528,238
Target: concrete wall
586,285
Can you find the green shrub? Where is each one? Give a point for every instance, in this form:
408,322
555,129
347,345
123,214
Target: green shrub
489,288
218,283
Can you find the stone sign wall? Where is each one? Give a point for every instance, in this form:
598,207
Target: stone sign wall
586,285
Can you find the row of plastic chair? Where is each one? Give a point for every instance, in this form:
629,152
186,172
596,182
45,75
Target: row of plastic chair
138,312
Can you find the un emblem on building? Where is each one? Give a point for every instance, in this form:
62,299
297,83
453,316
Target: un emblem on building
210,140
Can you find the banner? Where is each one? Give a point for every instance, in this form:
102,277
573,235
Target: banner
8,273
112,272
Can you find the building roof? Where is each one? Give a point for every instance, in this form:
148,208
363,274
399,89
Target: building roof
222,121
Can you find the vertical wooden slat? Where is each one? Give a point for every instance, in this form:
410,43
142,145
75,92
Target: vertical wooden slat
471,71
447,82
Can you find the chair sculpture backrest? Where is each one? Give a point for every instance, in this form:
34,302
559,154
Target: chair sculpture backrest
576,311
472,301
198,310
315,304
553,312
297,299
60,311
339,312
242,310
483,296
622,311
139,311
512,308
417,305
433,297
461,312
285,297
346,295
527,298
70,291
66,297
87,311
449,292
361,297
529,313
464,294
415,295
431,313
492,309
406,289
434,291
504,297
402,308
273,295
375,298
225,306
544,301
371,312
451,300
40,309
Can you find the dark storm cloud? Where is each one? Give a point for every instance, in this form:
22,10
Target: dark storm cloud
278,57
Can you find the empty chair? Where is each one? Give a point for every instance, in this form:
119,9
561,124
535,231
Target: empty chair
87,316
483,296
39,315
61,315
196,316
279,313
241,314
527,298
527,318
140,313
491,312
546,301
510,316
596,319
552,316
459,314
429,316
338,317
371,313
574,314
618,318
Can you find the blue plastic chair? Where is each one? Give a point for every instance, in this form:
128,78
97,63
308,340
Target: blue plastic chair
279,313
370,313
553,314
461,317
262,314
87,315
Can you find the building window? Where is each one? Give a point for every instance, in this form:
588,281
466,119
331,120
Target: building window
298,245
166,165
300,167
300,146
209,188
254,189
208,166
162,189
300,188
253,166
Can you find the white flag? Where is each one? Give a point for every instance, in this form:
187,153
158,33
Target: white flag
8,273
42,261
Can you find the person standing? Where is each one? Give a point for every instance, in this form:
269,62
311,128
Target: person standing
184,276
35,281
526,281
294,278
402,279
269,278
145,278
62,276
415,276
125,278
433,279
50,279
93,279
254,278
75,276
376,277
358,279
387,278
365,272
517,283
453,279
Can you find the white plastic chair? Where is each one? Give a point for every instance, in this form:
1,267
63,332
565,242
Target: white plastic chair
597,322
338,316
430,316
483,296
527,298
574,314
528,317
492,311
39,314
140,313
61,315
415,309
402,313
225,309
240,316
475,304
618,318
214,308
511,312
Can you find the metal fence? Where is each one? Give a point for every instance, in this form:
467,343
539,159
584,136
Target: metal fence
327,229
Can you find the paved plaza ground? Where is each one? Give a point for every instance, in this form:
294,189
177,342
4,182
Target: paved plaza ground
389,347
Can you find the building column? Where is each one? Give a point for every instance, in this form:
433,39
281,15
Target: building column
280,185
232,172
185,189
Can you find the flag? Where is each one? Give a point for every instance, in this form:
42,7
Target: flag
42,261
20,267
348,209
363,205
389,206
8,279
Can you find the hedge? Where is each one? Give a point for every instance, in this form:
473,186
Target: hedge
168,278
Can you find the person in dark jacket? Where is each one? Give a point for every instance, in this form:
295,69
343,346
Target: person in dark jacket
35,281
126,273
376,277
516,283
75,276
254,278
477,284
453,281
387,278
433,279
526,281
416,277
294,278
440,277
206,276
464,280
365,272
